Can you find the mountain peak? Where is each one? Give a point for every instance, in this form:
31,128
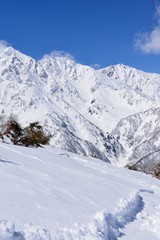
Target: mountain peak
117,67
8,51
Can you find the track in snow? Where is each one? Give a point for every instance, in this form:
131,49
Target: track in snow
105,226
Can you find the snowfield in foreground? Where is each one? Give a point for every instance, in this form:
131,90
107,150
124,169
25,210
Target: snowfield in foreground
54,195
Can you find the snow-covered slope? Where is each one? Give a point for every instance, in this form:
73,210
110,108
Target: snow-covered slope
55,195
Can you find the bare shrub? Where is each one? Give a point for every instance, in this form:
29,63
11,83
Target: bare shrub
33,135
156,171
11,128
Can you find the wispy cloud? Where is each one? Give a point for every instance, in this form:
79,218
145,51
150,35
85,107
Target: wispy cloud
3,44
96,66
60,54
149,42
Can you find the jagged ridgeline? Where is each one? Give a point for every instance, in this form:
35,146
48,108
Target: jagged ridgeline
78,106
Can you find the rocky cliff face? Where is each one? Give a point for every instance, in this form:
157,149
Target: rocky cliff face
140,134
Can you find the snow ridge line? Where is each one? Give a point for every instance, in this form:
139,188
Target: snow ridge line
105,226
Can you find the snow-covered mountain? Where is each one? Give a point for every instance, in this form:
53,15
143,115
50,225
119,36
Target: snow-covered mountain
77,104
28,90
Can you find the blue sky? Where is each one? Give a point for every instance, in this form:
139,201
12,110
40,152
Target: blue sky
95,32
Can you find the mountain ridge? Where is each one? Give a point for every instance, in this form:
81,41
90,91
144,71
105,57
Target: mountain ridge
79,105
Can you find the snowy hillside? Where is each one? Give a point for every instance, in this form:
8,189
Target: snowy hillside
78,105
54,195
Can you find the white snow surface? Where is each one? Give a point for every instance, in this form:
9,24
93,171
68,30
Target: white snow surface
48,194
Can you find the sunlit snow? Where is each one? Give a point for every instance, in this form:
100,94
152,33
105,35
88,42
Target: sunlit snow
49,194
